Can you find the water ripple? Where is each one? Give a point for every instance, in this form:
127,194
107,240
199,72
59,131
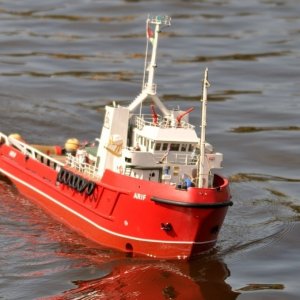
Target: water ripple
244,177
235,56
250,129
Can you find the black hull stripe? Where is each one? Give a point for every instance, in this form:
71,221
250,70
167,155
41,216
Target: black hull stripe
192,205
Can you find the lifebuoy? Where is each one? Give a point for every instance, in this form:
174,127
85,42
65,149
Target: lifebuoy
90,188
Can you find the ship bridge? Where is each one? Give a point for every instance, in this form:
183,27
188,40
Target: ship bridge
163,134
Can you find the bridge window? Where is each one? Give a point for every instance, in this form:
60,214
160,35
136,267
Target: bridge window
191,147
165,146
174,147
157,146
183,147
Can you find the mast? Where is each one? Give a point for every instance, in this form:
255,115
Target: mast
153,37
146,52
203,178
149,87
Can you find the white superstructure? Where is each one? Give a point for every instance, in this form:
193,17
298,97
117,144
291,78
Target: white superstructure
159,147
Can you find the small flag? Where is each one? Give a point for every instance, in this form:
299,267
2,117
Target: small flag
150,33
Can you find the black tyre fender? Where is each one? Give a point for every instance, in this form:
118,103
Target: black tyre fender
81,184
61,175
66,178
73,181
70,179
90,188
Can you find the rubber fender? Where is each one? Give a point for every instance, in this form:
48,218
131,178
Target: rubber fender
73,181
90,188
66,178
81,184
70,179
61,175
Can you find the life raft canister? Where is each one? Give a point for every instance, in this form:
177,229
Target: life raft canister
71,145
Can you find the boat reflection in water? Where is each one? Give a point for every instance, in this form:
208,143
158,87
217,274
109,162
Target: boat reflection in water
133,279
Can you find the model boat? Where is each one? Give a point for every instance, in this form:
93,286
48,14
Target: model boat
148,186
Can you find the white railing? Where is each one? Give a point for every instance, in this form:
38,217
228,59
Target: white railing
31,152
176,158
83,167
147,120
144,120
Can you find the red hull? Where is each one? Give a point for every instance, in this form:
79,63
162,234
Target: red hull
126,213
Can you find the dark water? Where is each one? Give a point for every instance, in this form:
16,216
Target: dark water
62,61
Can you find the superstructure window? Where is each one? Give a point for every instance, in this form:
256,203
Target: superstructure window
165,146
157,146
191,147
183,147
174,147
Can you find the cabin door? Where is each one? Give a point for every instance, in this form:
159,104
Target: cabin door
153,175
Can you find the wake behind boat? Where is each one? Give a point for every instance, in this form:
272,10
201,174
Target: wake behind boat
147,187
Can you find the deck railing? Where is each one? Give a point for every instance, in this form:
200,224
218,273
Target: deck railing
147,120
83,167
31,152
161,157
176,158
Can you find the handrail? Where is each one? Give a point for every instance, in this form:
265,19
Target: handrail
146,120
29,151
167,158
83,167
176,158
32,152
